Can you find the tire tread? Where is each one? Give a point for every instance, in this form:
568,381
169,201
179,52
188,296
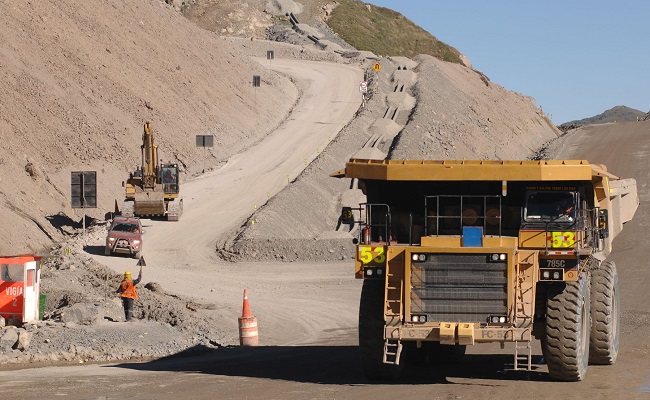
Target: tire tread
605,321
566,355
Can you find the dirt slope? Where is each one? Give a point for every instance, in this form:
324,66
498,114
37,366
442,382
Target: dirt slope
420,109
78,80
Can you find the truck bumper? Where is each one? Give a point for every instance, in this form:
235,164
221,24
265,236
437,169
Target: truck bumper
457,333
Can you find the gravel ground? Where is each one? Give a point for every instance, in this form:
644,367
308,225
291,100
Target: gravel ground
84,320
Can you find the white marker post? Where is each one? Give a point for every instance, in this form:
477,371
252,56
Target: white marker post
363,88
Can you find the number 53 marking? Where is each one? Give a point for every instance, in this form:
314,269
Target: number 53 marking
369,254
563,239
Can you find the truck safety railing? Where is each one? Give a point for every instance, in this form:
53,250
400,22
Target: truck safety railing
586,225
448,214
377,224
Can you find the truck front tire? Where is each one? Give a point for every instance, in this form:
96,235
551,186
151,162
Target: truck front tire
567,330
605,315
371,333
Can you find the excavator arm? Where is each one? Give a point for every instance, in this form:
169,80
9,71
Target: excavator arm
149,157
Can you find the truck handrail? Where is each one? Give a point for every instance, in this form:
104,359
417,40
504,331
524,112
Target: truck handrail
368,207
590,239
481,212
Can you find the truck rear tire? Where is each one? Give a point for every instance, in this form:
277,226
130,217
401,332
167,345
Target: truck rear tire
371,333
567,330
605,315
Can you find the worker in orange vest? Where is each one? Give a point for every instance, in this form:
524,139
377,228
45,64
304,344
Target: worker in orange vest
128,293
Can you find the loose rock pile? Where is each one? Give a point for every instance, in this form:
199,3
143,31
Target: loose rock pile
84,320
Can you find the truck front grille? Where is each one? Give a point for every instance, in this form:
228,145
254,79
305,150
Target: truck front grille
459,287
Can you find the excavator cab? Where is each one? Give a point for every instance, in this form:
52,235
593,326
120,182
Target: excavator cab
169,178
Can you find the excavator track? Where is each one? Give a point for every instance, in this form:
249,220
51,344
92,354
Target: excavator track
174,210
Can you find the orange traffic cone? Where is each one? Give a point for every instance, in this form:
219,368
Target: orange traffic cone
246,309
247,325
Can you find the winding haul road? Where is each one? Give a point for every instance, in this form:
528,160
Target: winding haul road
181,255
310,351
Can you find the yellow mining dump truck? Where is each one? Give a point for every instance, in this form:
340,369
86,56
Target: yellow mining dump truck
153,189
458,253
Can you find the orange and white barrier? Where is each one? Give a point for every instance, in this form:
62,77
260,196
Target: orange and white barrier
247,325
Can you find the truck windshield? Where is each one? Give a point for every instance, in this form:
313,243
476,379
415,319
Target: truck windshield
125,227
550,206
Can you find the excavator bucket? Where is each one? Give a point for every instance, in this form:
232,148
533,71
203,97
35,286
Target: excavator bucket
149,203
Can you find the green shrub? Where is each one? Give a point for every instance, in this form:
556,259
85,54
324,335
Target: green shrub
386,32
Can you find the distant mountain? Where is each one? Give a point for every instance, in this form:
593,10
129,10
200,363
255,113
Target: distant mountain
616,114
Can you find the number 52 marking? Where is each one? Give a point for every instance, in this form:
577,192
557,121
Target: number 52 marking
368,254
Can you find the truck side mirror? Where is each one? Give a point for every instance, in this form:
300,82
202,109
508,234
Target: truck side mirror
603,224
122,183
346,215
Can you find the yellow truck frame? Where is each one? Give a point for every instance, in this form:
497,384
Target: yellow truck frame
457,253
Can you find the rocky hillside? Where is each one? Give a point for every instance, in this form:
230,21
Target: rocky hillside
79,79
420,109
615,114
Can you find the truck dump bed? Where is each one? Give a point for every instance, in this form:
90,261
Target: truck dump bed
622,192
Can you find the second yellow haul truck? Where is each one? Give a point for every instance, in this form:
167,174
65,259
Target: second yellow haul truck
458,253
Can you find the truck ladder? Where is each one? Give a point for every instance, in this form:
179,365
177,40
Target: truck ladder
523,358
523,304
393,311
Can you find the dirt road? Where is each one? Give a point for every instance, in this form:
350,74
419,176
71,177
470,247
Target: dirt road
318,359
181,255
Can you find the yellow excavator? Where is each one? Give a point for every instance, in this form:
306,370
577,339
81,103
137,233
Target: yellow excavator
153,189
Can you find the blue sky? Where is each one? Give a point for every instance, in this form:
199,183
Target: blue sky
576,58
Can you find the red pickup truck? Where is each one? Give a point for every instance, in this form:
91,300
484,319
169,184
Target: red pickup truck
124,237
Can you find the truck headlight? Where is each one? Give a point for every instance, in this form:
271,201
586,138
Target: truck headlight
497,319
497,257
418,318
419,257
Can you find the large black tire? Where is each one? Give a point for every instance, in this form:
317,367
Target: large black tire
412,354
442,354
605,315
371,333
567,330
